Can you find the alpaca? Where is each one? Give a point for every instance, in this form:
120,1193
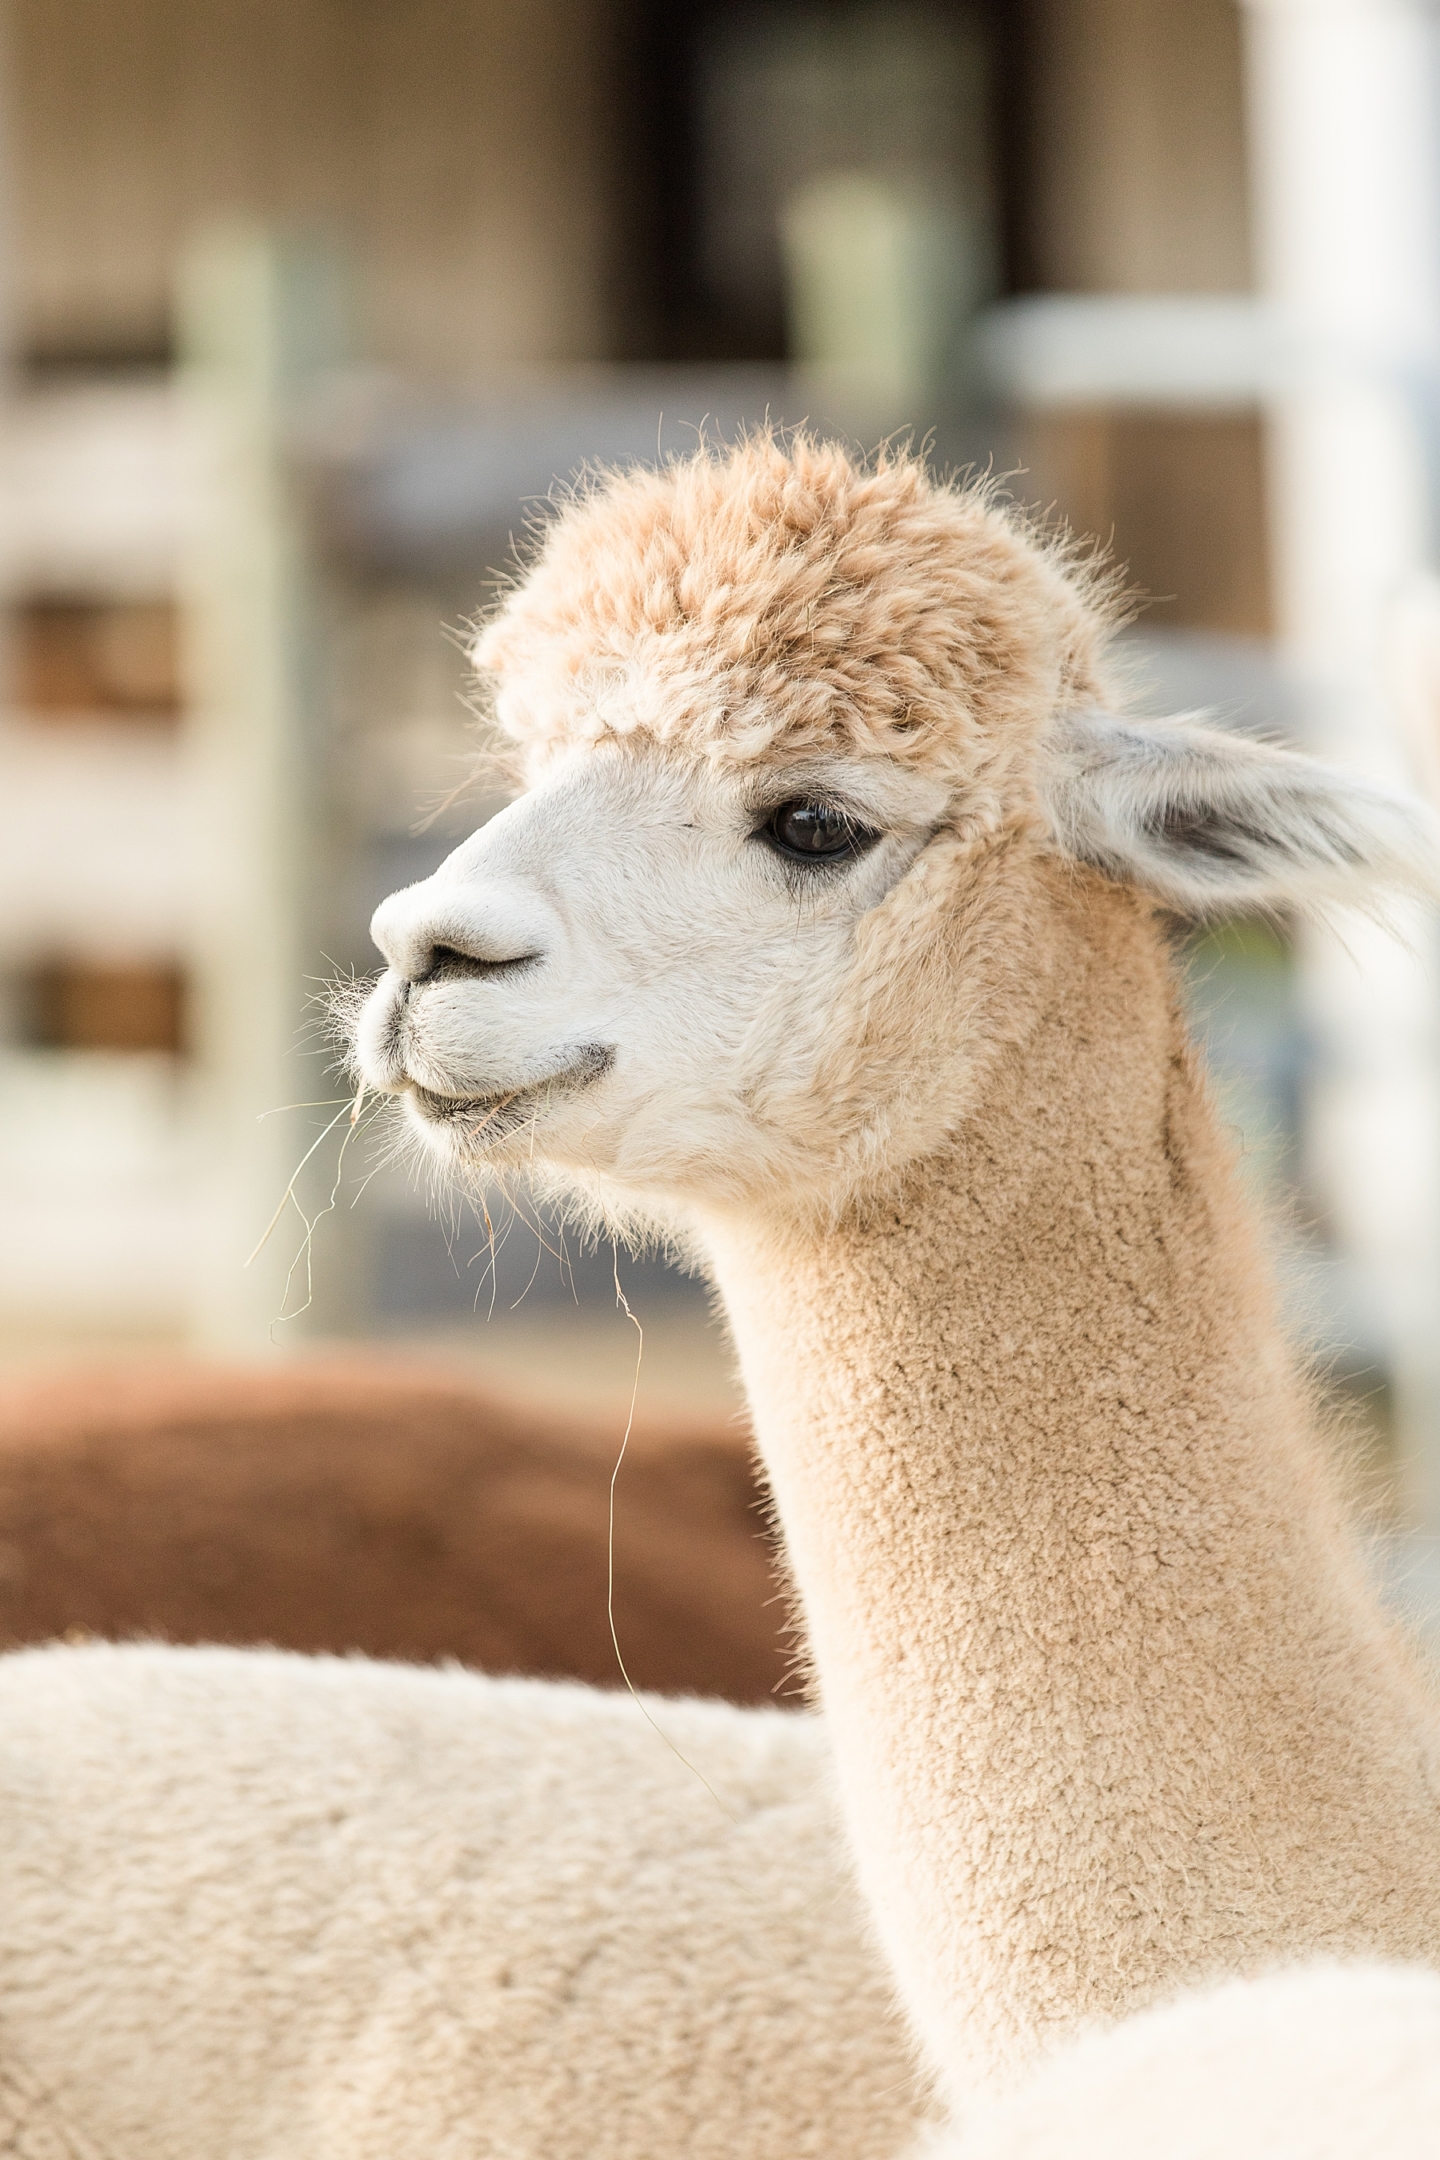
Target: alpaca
296,1907
823,941
267,1907
826,939
1326,2063
359,1503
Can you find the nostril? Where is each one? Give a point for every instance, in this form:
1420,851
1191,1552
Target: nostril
447,963
434,932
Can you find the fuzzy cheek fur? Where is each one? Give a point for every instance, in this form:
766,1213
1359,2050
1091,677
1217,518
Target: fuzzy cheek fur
703,982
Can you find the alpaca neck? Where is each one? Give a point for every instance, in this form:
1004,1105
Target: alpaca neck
1111,1707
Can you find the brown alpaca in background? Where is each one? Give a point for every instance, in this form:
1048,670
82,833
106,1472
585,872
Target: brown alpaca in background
361,1504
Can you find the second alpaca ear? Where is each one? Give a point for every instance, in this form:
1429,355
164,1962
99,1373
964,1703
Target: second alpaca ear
1210,822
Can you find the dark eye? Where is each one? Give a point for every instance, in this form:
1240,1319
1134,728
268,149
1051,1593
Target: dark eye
817,832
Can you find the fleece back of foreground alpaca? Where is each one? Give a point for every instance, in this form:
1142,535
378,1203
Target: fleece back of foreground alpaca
260,1907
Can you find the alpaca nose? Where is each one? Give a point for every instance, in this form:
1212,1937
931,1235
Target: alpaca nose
435,931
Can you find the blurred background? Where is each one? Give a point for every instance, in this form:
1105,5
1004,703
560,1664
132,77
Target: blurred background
305,308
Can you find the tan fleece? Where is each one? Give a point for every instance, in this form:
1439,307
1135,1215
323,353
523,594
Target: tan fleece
1111,1707
774,602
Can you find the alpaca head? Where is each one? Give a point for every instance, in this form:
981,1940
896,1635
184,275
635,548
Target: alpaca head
800,741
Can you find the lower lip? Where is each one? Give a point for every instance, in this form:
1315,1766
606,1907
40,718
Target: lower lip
462,1109
490,1116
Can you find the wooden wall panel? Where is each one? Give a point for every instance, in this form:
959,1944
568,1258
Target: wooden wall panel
462,146
1132,150
1178,499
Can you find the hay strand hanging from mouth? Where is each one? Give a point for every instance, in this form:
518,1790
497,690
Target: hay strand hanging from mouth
624,1304
289,1193
351,1109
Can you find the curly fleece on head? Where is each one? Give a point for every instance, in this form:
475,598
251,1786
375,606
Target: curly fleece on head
768,600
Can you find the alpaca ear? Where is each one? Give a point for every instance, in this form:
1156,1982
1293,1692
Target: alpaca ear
1210,822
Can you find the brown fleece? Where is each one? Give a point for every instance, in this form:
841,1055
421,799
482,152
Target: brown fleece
354,1504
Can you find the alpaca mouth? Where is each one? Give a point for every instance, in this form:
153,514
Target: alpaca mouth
482,1120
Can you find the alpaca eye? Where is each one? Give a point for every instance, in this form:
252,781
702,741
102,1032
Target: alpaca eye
816,832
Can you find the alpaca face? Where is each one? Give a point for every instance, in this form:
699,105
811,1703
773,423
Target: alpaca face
666,979
635,971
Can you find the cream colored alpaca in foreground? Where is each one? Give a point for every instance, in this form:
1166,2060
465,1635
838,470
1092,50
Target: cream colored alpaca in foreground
825,936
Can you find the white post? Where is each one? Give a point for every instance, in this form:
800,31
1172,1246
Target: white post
256,322
1345,134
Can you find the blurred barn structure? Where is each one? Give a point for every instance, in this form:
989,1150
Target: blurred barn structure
307,302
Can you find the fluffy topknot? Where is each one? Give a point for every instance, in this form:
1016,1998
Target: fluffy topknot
753,603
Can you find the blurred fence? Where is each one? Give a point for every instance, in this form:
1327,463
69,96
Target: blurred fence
231,702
